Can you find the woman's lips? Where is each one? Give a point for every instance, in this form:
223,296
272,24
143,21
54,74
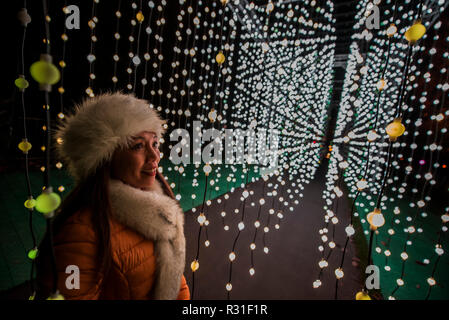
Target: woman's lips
151,172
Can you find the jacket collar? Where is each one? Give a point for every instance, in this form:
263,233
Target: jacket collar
158,218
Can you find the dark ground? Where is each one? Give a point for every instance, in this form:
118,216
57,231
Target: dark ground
290,267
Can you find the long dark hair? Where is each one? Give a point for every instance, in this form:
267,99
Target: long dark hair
92,193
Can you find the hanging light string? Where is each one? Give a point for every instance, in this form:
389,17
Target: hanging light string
209,114
241,226
131,39
115,56
136,59
25,146
220,75
223,106
175,65
62,64
187,53
257,225
147,55
92,23
201,219
47,186
175,62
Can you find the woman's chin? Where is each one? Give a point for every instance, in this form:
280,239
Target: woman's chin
147,182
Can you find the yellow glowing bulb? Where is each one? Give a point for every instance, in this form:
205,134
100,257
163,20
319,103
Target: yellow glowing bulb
220,58
395,129
139,16
30,203
195,265
415,32
361,295
25,146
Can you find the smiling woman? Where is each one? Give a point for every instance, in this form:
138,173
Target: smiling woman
120,228
137,164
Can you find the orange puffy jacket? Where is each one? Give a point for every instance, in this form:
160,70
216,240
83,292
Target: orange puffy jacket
147,247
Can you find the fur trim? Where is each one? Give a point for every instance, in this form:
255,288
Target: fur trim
158,218
99,126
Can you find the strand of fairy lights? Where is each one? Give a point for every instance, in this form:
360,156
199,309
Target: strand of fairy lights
115,56
25,146
133,60
92,23
147,56
187,53
136,59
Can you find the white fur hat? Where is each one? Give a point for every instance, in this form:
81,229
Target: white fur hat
100,125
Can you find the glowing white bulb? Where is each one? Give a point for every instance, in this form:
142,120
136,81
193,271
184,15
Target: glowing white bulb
323,264
350,230
361,184
372,136
201,218
316,284
339,273
232,256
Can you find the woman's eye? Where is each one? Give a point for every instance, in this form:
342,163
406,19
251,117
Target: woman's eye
155,144
137,146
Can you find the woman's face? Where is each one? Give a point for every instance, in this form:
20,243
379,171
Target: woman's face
137,165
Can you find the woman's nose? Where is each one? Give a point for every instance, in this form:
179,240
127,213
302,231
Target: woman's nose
152,153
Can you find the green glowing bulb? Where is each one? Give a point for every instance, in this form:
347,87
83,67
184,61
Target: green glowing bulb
32,254
48,201
44,71
56,296
21,82
30,203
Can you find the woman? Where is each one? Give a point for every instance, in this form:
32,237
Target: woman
120,225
